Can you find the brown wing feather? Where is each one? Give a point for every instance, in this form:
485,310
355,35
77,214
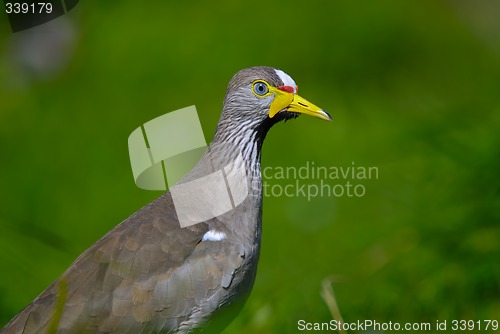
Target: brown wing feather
127,278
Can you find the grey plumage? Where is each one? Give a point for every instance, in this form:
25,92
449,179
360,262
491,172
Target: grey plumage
149,275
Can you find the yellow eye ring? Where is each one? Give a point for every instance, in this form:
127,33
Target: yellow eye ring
260,88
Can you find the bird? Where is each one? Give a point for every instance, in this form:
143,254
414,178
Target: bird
151,275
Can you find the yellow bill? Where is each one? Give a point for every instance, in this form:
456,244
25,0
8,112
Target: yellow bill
295,103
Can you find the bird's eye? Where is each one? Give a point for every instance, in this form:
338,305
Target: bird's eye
260,88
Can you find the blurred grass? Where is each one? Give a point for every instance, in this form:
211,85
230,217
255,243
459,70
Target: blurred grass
413,89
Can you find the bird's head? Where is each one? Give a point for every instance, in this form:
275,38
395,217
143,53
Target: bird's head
265,95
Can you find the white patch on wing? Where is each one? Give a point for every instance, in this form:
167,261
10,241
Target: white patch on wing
287,80
214,236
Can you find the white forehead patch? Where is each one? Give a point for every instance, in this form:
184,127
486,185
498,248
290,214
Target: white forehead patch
214,236
287,80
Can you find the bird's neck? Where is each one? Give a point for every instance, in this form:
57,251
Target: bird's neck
233,159
238,154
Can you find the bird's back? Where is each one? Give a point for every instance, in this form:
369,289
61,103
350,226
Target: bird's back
148,275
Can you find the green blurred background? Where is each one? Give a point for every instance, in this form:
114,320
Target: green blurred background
413,88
